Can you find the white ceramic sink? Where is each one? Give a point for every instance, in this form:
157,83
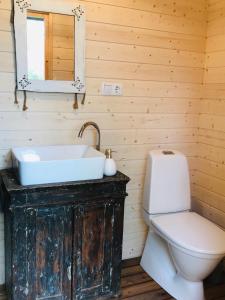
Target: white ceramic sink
51,164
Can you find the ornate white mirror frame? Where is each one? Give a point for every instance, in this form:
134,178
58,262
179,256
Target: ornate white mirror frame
65,7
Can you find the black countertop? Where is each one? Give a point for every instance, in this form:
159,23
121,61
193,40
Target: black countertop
12,184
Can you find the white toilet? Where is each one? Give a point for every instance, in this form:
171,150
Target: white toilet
182,248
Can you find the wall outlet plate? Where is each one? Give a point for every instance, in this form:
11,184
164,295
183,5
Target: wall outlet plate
111,89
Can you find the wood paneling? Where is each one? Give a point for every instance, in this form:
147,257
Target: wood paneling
144,37
209,177
155,49
62,47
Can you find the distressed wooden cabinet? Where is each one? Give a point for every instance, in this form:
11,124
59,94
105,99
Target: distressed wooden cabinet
63,241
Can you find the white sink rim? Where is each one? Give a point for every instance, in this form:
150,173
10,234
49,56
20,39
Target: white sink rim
17,151
59,163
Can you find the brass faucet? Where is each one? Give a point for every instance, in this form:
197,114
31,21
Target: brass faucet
87,124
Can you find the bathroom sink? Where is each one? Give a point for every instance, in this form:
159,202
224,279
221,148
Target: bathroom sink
51,164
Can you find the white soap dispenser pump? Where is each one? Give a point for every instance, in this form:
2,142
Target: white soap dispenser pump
110,164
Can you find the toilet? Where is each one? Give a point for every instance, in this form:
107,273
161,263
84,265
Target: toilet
182,248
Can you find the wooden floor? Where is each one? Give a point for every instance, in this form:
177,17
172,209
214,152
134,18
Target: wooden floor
137,285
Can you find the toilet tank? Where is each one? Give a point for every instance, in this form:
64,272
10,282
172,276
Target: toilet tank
167,183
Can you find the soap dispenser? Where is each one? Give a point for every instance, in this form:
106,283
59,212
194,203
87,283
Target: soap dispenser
110,164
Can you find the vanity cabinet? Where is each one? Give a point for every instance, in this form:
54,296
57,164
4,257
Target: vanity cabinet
63,241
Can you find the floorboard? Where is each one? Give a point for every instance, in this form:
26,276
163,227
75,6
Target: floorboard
137,285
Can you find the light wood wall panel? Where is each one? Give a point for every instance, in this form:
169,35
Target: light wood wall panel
155,49
61,48
209,177
196,10
144,37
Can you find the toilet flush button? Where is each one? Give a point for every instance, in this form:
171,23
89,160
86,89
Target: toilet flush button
167,152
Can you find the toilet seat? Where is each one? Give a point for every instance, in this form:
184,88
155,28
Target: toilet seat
191,232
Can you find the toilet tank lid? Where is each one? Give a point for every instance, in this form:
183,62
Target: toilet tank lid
192,232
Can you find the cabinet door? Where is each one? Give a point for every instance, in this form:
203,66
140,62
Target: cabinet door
43,253
93,241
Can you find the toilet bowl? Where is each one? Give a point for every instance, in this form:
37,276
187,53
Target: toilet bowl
191,266
195,244
182,247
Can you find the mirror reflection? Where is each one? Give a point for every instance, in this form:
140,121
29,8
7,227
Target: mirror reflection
50,46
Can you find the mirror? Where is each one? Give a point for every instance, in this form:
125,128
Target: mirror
50,46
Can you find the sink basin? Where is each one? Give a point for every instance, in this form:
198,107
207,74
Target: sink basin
51,164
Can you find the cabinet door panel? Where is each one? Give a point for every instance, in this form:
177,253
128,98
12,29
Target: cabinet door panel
53,252
92,258
93,250
48,253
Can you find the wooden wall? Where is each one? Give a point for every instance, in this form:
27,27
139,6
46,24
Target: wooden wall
62,36
155,49
209,187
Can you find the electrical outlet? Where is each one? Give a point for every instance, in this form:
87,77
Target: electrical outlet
111,89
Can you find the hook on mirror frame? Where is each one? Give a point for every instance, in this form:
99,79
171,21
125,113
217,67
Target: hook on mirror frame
25,107
75,104
83,98
15,96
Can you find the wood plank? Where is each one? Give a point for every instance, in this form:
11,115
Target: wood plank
5,16
5,4
60,30
134,279
9,82
107,104
62,75
132,88
136,88
144,19
141,288
152,295
63,41
120,121
193,10
142,54
209,197
143,37
60,53
121,137
6,41
215,43
214,106
131,262
120,70
209,212
60,19
123,70
7,63
215,59
132,270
